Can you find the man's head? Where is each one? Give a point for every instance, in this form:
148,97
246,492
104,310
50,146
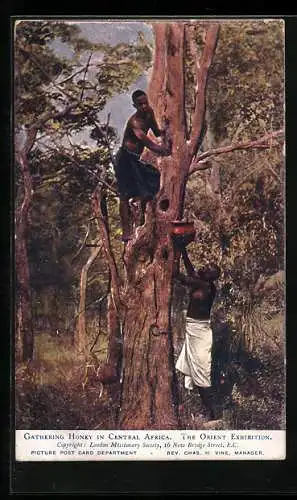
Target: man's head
211,272
140,101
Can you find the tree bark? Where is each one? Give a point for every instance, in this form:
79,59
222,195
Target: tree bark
80,336
179,306
111,373
24,330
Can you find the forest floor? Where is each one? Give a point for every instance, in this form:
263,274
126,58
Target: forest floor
60,391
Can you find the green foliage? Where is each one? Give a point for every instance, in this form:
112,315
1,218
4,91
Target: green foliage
71,91
123,64
61,216
246,80
37,65
46,80
241,226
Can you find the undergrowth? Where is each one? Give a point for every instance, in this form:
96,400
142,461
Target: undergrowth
60,390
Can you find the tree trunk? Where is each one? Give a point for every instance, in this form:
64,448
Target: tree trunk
180,301
24,329
114,339
149,389
148,385
80,336
111,373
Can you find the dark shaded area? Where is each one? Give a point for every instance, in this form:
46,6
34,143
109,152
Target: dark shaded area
131,478
164,205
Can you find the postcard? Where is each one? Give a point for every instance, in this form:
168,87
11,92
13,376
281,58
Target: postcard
149,239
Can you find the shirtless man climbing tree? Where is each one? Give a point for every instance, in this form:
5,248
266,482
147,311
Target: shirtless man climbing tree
135,178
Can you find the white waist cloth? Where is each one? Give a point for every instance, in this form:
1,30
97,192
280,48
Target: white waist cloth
195,357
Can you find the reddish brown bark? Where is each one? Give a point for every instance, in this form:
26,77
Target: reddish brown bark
110,372
103,227
148,384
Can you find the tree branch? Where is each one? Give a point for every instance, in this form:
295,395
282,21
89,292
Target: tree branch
69,157
80,335
104,232
74,74
199,163
45,73
80,312
105,135
85,74
22,159
54,115
96,65
202,74
158,75
33,129
23,210
99,329
82,245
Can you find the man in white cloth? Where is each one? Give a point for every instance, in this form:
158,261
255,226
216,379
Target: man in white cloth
195,359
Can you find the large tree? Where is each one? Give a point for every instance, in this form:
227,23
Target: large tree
143,300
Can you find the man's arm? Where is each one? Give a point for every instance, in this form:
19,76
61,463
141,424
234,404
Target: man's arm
156,148
154,126
188,264
192,282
